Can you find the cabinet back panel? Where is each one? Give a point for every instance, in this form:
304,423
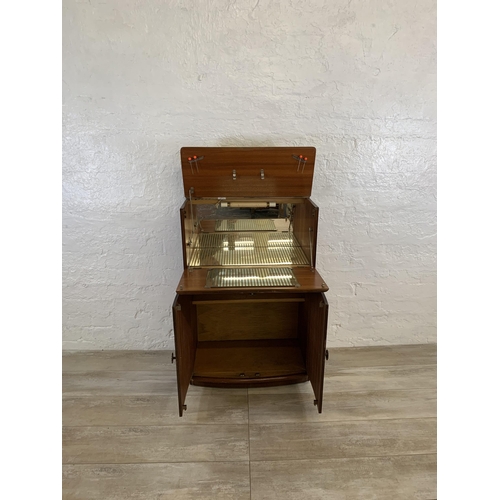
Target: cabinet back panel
247,321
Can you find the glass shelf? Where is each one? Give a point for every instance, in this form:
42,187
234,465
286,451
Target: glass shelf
245,225
247,249
251,277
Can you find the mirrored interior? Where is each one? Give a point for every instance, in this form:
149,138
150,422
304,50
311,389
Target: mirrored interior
243,234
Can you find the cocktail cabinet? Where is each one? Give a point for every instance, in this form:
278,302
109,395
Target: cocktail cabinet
250,308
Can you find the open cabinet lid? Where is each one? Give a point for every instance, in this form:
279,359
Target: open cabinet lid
248,172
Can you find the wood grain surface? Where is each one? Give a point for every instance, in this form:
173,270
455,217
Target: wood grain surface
186,340
204,407
124,383
390,355
388,478
212,176
375,439
232,359
270,320
80,361
142,444
184,481
362,405
305,228
359,438
373,378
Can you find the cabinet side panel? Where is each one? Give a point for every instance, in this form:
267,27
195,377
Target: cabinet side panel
188,220
185,344
317,321
306,217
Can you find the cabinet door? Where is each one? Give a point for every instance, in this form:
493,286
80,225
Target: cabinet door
185,344
317,321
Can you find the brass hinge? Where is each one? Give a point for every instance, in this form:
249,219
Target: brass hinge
177,308
321,304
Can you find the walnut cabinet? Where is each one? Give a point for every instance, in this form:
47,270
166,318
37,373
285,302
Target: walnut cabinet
250,308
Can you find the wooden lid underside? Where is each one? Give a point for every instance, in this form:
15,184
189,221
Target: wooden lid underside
248,172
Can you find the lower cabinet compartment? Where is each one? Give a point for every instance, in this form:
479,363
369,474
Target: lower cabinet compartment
250,342
249,363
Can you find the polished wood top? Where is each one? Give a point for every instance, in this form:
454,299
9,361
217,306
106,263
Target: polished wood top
193,282
248,172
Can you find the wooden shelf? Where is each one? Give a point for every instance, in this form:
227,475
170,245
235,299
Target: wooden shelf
248,360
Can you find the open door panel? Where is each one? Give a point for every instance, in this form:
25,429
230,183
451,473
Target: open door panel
185,344
316,307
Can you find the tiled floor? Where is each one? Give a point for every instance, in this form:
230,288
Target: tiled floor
376,438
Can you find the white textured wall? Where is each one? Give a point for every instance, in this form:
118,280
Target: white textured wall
354,78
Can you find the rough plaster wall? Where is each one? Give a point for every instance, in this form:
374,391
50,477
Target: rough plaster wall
354,78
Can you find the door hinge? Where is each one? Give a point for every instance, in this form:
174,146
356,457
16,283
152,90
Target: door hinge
321,304
177,308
